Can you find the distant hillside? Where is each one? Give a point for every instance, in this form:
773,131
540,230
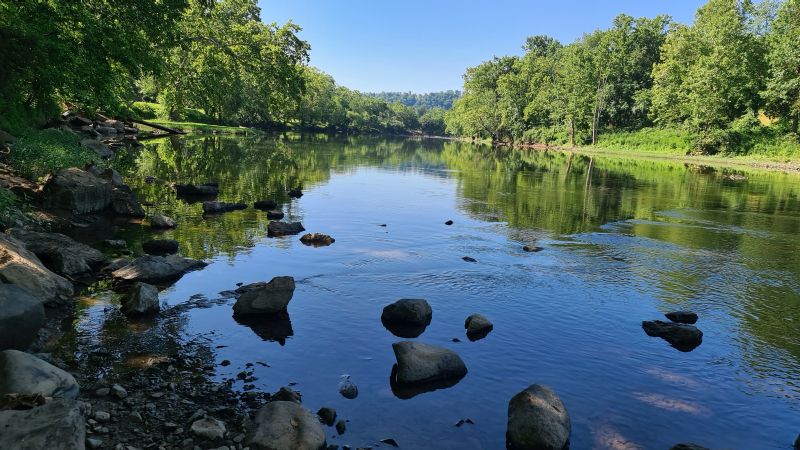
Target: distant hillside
442,99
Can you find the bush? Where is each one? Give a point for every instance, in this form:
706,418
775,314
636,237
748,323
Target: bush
147,111
41,152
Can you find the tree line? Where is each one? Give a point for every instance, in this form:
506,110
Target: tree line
213,59
735,71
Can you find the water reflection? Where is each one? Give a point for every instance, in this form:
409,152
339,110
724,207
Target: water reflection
274,328
409,391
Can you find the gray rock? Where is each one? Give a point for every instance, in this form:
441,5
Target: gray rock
264,298
6,138
532,248
797,443
327,416
348,389
154,269
687,317
341,427
287,394
537,419
142,300
125,203
119,391
160,247
478,326
208,428
20,266
265,205
98,147
108,131
221,207
93,444
317,239
419,363
115,264
201,190
469,259
60,253
275,229
688,446
56,425
408,311
21,316
78,191
116,243
102,416
107,174
285,426
275,215
681,336
23,373
159,220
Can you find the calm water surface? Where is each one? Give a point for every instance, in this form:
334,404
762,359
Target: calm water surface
624,241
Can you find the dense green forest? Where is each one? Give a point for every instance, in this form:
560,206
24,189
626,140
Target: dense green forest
422,102
728,83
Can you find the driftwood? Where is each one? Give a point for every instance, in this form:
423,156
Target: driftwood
158,127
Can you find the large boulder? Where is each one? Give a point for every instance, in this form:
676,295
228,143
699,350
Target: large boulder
160,247
23,373
77,190
60,253
21,316
407,317
159,220
283,425
264,298
221,207
419,363
107,174
154,269
20,266
681,336
275,229
142,300
537,420
56,425
125,203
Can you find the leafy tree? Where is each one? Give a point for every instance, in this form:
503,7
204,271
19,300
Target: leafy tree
783,85
432,122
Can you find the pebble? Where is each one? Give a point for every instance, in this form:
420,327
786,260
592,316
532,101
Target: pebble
208,428
102,392
102,416
118,391
92,443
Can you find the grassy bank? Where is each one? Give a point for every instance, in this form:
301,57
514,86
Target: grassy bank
193,120
39,152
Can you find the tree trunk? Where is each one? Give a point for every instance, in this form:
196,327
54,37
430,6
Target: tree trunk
572,131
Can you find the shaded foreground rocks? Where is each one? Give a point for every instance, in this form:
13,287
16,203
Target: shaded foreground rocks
124,202
209,428
688,446
142,300
317,239
275,229
221,207
160,247
537,420
285,425
687,317
419,363
56,425
20,266
21,317
23,373
478,326
154,269
159,220
60,253
78,191
681,336
407,317
264,298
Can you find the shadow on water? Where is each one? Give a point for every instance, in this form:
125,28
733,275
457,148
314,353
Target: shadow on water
406,391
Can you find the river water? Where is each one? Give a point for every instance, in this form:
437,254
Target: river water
624,240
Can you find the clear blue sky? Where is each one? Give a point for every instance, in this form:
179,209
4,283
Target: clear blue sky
425,45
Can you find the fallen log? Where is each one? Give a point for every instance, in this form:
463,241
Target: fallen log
158,127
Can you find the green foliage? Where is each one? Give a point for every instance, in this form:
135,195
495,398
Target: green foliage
674,141
41,152
783,85
420,102
432,122
8,203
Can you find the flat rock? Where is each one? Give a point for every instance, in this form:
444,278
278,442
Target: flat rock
275,229
537,419
317,239
21,317
60,253
159,220
419,363
221,207
681,336
154,269
56,425
21,267
265,205
264,298
160,247
687,317
142,300
98,147
285,426
208,428
77,190
23,373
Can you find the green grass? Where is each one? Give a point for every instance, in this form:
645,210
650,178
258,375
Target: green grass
670,142
40,152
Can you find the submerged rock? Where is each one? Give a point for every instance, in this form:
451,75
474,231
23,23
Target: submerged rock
295,193
407,317
469,259
449,222
275,215
275,229
348,389
341,427
265,205
681,336
21,267
264,298
532,248
56,425
687,317
159,220
285,425
21,317
60,253
317,239
201,190
221,207
327,416
160,247
419,363
142,300
537,419
77,190
154,269
23,373
478,326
